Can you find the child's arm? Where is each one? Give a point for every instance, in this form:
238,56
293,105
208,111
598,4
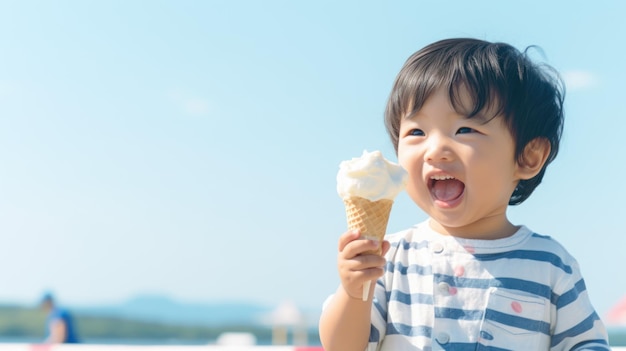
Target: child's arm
345,322
58,332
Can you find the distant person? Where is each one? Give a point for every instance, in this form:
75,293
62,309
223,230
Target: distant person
475,125
59,323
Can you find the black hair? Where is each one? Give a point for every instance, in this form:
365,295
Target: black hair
498,78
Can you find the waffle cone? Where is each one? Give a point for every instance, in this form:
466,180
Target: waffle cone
369,217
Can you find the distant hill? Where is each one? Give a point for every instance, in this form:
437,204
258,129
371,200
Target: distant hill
156,308
19,321
147,320
162,309
29,324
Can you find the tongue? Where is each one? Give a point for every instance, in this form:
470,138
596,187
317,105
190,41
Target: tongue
447,190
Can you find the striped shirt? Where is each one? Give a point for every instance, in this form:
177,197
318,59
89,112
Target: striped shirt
523,292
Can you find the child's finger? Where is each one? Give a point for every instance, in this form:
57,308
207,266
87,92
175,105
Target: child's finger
360,262
357,247
348,237
385,247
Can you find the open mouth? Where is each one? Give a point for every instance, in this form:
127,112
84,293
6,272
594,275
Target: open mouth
445,188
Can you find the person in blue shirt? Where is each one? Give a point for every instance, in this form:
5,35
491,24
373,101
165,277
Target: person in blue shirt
60,327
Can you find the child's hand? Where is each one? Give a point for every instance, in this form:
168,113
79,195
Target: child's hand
355,267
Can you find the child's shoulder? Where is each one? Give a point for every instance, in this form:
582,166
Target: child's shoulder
546,243
525,240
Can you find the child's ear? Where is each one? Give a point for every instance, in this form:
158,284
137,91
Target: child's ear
533,158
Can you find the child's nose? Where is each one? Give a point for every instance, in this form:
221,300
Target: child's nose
438,149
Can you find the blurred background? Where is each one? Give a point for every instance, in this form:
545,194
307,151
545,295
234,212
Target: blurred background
167,168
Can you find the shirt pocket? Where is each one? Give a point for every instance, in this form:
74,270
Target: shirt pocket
515,321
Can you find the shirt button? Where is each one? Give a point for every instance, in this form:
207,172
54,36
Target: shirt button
444,288
436,248
443,338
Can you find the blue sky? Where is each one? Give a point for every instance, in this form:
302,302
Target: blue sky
189,148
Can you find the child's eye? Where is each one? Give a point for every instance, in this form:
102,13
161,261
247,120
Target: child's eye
465,130
416,132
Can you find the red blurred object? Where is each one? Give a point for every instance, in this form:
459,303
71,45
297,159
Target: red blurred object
41,347
617,314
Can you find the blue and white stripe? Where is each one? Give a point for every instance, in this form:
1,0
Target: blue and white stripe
524,292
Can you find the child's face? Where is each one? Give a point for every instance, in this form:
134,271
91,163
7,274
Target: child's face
462,171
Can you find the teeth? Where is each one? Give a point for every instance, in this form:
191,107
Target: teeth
441,177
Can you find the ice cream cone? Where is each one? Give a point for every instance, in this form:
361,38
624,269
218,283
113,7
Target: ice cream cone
368,185
369,217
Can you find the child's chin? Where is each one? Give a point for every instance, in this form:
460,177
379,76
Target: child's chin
448,222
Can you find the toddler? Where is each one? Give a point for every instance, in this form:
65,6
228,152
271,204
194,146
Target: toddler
475,124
